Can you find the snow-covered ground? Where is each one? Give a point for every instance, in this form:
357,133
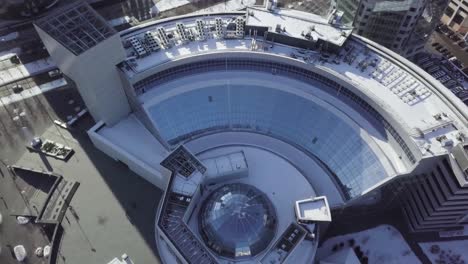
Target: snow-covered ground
33,91
8,37
7,54
453,252
383,244
22,71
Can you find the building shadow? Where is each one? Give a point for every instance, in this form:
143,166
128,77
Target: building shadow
139,198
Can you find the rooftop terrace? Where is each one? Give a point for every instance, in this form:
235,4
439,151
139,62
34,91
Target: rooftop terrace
298,24
394,84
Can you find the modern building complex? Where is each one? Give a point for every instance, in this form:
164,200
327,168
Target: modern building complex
259,124
402,26
455,16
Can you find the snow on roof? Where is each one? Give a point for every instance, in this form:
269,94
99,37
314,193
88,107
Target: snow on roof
117,261
187,50
392,6
225,164
297,24
383,244
187,186
346,256
165,5
395,85
459,162
119,21
131,135
314,209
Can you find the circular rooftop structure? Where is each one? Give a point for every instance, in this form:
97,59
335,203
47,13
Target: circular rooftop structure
237,221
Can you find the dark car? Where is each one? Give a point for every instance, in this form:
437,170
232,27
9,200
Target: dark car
455,38
17,88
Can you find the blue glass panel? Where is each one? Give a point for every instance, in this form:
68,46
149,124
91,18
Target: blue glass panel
237,221
277,113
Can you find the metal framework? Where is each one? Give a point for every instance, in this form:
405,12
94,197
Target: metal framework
77,27
182,161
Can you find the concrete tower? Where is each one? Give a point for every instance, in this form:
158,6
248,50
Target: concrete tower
87,49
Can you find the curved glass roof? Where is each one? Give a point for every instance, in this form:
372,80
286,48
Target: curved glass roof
276,113
237,221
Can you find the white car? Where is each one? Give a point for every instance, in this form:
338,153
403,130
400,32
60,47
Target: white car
20,252
54,73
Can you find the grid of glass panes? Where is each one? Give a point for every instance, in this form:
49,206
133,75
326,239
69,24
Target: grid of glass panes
280,69
276,113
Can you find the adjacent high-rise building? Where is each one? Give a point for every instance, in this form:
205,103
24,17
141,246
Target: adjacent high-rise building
402,26
456,16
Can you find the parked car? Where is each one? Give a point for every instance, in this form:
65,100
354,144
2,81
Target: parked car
17,88
455,37
54,73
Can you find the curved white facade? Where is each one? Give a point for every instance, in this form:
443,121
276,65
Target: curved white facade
361,114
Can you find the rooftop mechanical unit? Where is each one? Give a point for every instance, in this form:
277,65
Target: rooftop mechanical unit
138,47
162,36
182,32
219,27
201,29
151,41
313,210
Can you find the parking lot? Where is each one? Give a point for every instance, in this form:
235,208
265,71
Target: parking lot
449,44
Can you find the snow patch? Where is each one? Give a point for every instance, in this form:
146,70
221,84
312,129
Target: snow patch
455,252
383,244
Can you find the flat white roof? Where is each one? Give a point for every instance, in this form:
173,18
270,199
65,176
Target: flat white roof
223,164
313,209
267,172
187,185
132,137
298,23
394,84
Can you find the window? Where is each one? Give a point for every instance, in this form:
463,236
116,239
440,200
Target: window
412,9
222,116
449,11
458,19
